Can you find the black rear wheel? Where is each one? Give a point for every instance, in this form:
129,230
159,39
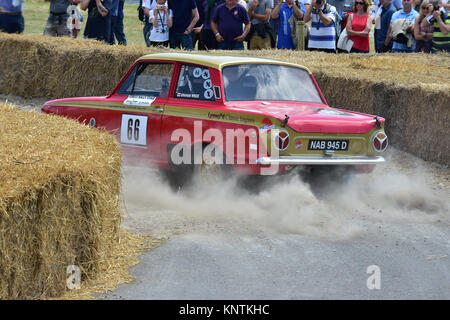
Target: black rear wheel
326,178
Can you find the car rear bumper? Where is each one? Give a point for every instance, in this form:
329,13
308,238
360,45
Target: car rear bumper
289,160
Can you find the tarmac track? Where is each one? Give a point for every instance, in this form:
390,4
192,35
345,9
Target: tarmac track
289,242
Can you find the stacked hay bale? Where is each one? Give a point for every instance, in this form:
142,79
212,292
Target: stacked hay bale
59,201
410,90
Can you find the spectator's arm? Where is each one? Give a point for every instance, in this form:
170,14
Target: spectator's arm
297,12
263,17
147,12
101,8
194,21
326,20
247,29
244,34
84,4
418,35
154,18
348,26
198,29
215,30
169,19
445,28
369,23
307,16
425,22
446,6
276,11
351,32
388,36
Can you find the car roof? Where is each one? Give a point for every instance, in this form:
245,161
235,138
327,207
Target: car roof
215,60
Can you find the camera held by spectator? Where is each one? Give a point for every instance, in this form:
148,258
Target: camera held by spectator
431,18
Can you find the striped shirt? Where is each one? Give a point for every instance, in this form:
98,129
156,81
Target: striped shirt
441,42
321,36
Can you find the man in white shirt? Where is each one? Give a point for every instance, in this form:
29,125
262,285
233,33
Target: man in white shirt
161,18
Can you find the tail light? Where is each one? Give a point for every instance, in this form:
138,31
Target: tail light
380,142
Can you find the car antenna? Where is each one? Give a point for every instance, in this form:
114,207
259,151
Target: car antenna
286,119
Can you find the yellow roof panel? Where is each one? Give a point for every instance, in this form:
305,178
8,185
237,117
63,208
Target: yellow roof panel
214,60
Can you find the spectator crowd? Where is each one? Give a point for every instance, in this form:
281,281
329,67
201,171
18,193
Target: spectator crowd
330,25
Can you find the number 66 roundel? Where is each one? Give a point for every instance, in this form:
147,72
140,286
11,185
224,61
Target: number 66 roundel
133,130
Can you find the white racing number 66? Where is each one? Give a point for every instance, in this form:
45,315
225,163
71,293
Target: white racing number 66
133,130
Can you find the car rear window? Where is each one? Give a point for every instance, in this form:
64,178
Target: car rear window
148,79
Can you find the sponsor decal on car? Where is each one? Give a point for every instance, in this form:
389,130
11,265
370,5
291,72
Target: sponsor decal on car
267,126
139,100
298,144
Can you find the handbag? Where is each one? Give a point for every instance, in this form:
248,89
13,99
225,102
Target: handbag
344,42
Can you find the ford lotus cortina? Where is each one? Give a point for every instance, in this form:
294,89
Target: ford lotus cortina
193,113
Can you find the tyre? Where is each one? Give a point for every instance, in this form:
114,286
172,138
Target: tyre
326,178
212,169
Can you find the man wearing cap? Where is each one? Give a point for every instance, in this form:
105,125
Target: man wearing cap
11,19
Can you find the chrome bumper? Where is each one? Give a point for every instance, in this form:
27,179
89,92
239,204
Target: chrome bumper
292,160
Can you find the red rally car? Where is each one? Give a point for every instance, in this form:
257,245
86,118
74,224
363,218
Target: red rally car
201,113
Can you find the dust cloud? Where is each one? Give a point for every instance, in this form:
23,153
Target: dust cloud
288,205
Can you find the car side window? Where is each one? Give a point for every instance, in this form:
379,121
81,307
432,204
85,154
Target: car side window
195,83
148,79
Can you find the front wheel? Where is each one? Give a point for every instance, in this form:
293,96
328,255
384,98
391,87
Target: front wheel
212,170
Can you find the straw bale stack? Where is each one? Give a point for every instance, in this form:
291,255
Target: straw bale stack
59,201
410,90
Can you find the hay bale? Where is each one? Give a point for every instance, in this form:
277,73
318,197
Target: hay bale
59,200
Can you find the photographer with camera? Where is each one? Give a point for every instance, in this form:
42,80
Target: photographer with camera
283,12
98,25
162,22
439,18
322,35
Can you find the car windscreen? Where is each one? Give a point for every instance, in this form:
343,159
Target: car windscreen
268,82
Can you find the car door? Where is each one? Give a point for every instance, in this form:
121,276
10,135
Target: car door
136,109
195,92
